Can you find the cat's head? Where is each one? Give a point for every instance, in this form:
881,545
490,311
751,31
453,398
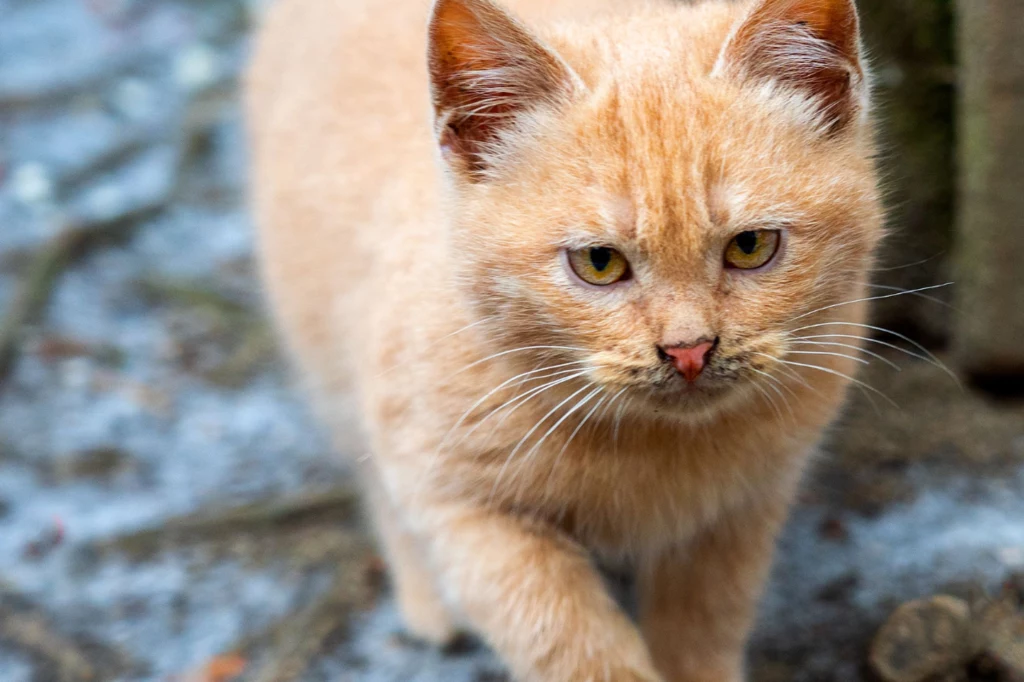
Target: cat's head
663,198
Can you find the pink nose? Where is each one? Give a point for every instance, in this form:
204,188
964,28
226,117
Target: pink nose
690,360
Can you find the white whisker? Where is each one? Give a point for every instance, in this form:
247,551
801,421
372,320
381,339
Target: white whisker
930,357
804,340
768,397
512,454
500,386
518,401
514,350
915,294
870,298
437,341
829,353
837,373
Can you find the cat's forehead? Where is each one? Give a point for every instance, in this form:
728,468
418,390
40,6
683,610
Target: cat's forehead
698,161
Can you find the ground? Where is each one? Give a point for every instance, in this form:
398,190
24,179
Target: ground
168,508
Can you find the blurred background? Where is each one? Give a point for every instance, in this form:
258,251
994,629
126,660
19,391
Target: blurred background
169,511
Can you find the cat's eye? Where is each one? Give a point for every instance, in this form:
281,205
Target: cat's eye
752,249
599,265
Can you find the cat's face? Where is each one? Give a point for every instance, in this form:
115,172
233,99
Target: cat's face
669,235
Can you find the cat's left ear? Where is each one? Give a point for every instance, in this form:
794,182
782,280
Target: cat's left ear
487,71
810,46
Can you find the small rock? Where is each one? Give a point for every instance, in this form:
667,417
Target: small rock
839,590
32,183
94,463
1013,588
1000,625
105,202
1011,557
134,98
49,540
924,638
971,591
834,529
991,669
197,67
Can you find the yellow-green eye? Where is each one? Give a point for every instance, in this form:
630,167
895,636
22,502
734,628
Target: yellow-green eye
752,249
599,265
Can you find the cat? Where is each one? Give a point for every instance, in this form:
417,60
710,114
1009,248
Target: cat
589,273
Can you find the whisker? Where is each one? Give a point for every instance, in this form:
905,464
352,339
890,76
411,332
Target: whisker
793,374
824,352
558,457
776,380
518,401
870,298
623,406
515,450
502,385
437,341
930,357
514,350
585,419
536,446
804,341
915,294
530,393
910,265
775,388
837,373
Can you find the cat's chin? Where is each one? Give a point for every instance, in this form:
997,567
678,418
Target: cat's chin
693,402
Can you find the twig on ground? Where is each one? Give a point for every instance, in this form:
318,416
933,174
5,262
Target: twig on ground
49,262
79,239
59,657
335,504
290,644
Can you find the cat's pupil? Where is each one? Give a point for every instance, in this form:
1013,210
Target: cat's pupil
747,241
600,258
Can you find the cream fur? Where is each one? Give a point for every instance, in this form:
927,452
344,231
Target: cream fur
411,279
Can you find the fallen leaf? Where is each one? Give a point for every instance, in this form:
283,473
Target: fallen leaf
223,668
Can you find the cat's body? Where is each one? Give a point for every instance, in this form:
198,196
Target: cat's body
425,285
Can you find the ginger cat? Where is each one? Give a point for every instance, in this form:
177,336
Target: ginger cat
592,280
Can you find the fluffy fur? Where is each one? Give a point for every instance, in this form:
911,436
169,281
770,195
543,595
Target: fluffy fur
419,175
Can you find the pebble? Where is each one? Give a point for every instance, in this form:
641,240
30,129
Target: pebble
1011,557
135,99
32,183
105,202
197,67
945,638
924,638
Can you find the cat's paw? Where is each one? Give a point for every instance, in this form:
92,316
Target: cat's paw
427,619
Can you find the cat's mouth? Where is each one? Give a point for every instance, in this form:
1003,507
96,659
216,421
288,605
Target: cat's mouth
719,382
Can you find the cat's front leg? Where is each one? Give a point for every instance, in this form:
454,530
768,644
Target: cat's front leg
697,603
534,595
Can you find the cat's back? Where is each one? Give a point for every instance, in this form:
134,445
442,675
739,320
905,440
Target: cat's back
336,101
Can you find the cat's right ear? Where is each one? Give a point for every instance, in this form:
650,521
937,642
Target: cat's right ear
486,72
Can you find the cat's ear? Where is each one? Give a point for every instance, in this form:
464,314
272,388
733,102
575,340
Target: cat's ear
812,46
486,71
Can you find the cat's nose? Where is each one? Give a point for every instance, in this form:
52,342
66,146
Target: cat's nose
688,359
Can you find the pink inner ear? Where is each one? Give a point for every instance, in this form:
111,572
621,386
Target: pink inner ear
809,45
486,69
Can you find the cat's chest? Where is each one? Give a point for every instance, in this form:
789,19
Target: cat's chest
644,496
